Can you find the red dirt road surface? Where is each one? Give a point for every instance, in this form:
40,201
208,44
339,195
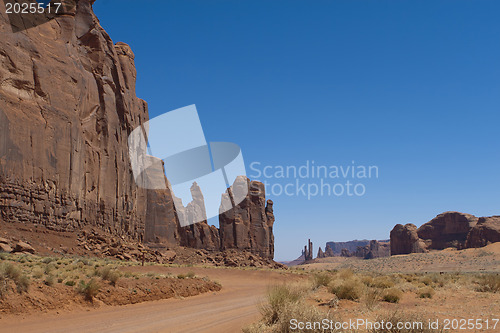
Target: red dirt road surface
228,310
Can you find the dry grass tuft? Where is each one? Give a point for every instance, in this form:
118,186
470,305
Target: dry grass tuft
322,279
392,295
347,289
284,303
489,283
89,289
426,292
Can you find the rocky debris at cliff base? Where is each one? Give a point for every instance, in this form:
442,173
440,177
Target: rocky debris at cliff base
101,245
13,246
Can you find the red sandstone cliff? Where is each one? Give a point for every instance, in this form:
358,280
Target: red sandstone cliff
67,107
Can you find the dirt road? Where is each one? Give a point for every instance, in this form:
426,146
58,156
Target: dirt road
226,311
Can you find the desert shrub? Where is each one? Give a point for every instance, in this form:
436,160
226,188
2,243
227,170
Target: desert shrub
427,280
181,276
49,268
392,295
60,280
417,324
298,311
383,282
37,274
426,292
190,275
367,280
22,284
489,283
9,271
70,283
109,274
3,256
371,298
350,289
89,289
49,280
278,297
321,279
47,260
284,303
345,274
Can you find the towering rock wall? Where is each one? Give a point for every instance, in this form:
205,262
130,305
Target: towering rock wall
67,105
248,225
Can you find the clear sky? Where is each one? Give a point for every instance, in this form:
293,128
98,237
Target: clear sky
412,87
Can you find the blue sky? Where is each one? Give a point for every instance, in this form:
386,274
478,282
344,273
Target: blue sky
409,86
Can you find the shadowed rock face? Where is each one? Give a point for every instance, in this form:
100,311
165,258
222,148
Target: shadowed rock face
67,107
404,240
449,229
249,225
487,230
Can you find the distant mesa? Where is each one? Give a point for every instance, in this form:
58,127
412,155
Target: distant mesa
447,230
362,249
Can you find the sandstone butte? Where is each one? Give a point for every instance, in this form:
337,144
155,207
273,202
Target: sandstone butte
449,229
67,106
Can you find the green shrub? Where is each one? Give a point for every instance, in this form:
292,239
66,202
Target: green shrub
70,283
